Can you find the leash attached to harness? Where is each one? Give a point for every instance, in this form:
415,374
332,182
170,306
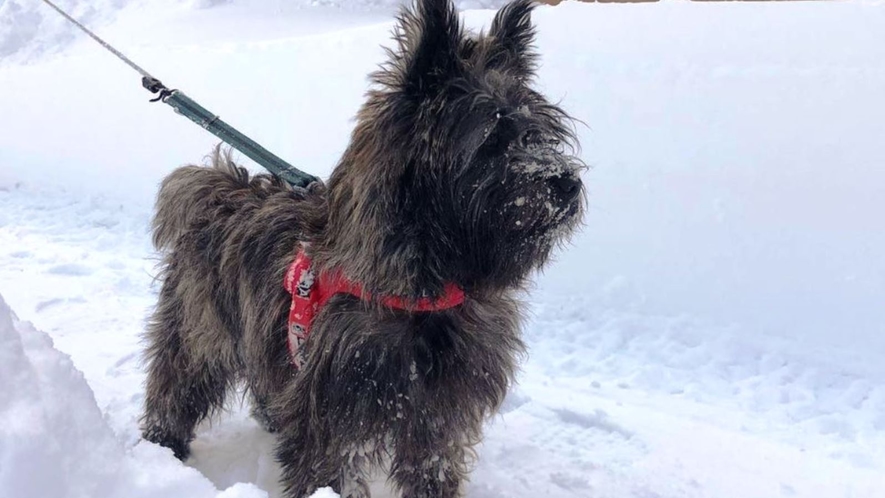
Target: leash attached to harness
188,108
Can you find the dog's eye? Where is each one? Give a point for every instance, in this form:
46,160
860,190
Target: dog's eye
493,141
503,131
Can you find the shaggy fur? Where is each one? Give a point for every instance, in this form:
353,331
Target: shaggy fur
457,171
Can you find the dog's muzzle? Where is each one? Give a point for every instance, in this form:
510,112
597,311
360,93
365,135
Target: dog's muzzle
567,186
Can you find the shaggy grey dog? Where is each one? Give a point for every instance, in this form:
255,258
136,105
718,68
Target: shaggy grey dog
458,174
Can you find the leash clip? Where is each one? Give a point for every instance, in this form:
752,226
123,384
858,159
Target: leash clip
154,85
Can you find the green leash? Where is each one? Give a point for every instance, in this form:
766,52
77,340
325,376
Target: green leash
188,108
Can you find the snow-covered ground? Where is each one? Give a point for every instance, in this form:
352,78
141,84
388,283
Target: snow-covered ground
717,330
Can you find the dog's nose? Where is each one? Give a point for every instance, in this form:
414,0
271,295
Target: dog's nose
568,186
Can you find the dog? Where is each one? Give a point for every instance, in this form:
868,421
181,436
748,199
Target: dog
376,317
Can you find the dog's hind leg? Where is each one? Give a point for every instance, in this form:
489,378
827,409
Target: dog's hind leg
268,367
184,384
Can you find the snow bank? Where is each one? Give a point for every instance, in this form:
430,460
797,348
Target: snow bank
54,440
29,28
49,422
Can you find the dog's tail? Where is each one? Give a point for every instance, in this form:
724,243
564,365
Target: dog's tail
193,198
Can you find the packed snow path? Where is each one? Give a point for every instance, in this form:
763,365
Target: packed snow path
716,331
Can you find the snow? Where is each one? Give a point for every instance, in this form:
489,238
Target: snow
56,441
29,29
716,330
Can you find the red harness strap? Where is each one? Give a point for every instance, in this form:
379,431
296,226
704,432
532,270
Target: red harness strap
310,294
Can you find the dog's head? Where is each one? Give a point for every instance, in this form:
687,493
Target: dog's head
457,169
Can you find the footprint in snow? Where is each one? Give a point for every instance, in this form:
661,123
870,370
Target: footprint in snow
599,420
515,399
569,481
71,269
123,363
43,305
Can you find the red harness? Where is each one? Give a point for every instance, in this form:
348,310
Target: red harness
310,294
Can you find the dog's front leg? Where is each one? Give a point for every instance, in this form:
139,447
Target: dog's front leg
311,461
312,451
307,459
429,462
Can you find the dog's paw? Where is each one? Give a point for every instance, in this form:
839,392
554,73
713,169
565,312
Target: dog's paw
180,447
261,415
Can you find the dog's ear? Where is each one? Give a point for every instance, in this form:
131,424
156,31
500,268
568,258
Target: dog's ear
429,38
513,37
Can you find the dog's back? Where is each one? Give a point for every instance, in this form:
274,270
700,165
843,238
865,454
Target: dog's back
193,198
